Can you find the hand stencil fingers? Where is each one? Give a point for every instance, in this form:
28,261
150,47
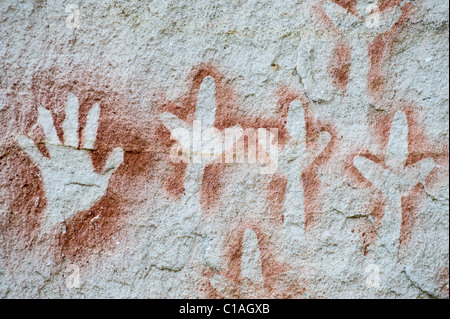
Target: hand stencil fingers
113,162
46,121
397,148
179,129
70,124
69,174
205,110
251,266
251,270
296,121
90,130
418,172
383,179
341,17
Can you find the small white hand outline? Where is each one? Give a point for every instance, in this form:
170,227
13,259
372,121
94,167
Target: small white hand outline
70,181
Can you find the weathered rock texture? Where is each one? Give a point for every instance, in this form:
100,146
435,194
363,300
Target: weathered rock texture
348,197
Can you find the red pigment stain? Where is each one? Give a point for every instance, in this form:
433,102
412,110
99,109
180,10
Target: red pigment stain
117,128
419,148
276,194
339,69
24,192
184,108
350,5
311,179
317,9
370,238
174,184
21,192
323,21
443,280
211,186
410,213
387,4
230,116
206,288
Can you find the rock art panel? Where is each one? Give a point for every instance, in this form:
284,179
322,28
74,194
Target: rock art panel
224,150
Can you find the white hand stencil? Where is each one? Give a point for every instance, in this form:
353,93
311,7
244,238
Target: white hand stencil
70,181
395,182
186,217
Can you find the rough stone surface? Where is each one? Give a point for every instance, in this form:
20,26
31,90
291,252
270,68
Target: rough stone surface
348,197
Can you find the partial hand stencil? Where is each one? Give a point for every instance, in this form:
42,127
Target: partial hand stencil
368,22
70,181
252,285
201,142
360,28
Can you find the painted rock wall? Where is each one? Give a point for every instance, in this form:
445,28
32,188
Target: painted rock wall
211,149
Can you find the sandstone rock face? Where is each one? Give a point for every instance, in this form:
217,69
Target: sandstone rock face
224,149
